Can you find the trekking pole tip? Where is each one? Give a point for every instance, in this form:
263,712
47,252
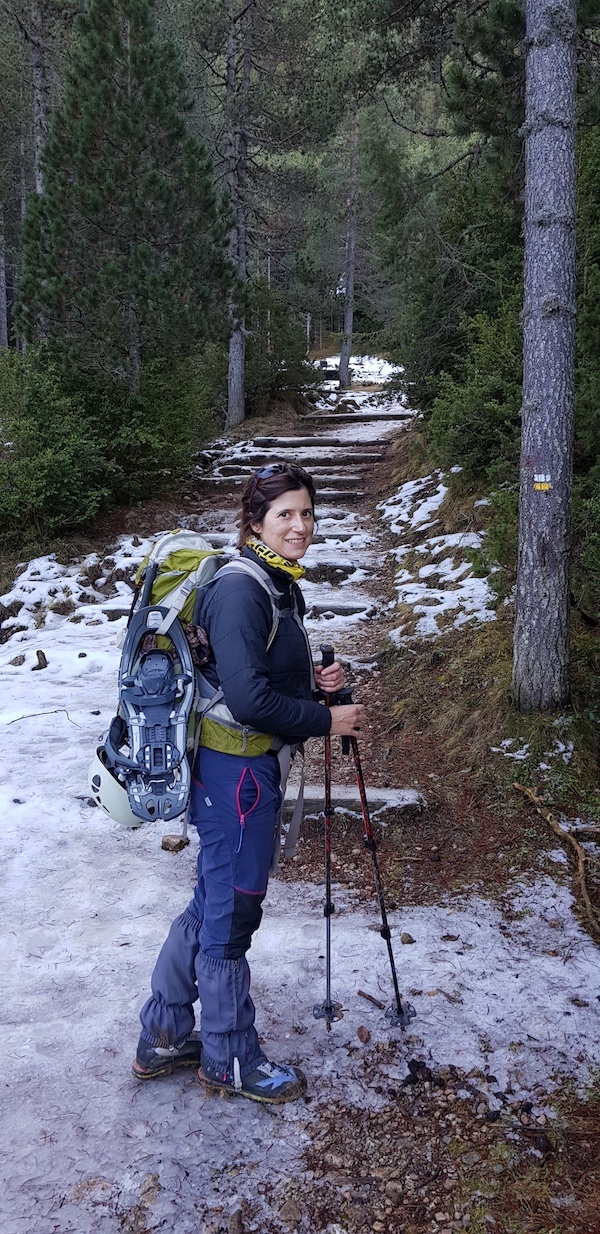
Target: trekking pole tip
329,1012
400,1016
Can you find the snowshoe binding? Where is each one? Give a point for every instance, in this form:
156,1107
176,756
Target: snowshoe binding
156,694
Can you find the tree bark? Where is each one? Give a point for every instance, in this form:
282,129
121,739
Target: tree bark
40,91
3,301
346,348
540,662
238,58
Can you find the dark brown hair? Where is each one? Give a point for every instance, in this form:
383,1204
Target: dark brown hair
264,487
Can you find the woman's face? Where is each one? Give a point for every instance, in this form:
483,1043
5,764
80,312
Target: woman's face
288,525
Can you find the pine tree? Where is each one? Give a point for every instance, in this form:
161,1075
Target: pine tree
124,249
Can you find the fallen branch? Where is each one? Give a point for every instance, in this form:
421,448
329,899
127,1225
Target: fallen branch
55,712
375,1001
551,818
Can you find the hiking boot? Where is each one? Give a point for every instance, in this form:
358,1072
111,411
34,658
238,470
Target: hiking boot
271,1083
151,1061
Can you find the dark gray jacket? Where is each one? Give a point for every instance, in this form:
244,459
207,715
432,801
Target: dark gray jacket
268,690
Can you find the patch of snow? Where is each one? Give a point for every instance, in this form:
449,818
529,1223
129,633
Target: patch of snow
559,856
504,748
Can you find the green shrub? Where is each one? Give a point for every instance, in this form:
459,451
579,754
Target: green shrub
475,419
53,470
75,443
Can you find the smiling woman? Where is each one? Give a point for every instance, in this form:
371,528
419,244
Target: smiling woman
263,703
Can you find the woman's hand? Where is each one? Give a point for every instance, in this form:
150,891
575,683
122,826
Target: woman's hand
347,721
329,679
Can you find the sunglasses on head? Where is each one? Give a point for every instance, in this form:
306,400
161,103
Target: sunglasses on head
275,469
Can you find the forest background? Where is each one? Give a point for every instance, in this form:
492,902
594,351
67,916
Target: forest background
179,186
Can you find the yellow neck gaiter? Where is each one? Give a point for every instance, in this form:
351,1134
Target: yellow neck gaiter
266,554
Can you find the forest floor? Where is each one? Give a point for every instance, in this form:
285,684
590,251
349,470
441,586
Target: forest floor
483,1115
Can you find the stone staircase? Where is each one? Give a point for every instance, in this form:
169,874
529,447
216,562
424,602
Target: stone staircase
342,564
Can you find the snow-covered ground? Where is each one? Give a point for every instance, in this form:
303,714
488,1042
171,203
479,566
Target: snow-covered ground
365,370
87,905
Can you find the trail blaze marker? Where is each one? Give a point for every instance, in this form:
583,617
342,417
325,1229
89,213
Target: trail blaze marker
542,483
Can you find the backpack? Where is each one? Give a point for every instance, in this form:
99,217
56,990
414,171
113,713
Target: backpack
163,696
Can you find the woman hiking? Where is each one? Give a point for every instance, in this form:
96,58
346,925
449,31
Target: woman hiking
266,680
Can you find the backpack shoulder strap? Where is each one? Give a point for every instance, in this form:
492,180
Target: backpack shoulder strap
204,572
261,576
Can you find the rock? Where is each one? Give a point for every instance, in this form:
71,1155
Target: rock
470,1158
394,1189
173,844
406,938
236,1223
363,1035
41,661
18,661
291,1213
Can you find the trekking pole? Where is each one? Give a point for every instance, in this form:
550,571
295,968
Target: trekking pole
398,1016
328,1011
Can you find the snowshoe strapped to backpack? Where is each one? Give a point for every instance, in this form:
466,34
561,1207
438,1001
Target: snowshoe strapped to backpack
163,697
147,744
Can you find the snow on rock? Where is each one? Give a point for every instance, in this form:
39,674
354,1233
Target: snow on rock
445,588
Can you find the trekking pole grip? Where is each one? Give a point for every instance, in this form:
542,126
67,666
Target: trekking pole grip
343,697
327,655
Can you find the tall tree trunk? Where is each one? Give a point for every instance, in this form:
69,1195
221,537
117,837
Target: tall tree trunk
239,51
346,348
540,664
3,301
40,90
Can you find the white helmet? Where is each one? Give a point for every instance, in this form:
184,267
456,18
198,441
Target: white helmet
109,792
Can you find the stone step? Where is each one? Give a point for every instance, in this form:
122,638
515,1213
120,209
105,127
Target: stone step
233,471
348,494
339,608
290,443
343,454
338,449
221,539
347,796
361,417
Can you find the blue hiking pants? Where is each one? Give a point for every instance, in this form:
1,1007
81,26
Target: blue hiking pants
235,804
